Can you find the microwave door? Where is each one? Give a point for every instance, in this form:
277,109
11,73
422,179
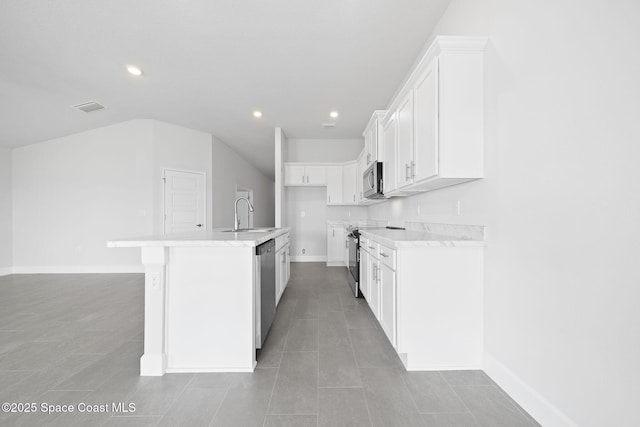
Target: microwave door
371,180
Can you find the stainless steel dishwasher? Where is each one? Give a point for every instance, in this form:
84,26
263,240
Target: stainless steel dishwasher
267,254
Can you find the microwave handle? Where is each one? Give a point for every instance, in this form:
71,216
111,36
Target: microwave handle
371,181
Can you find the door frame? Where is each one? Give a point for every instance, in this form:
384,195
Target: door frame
164,189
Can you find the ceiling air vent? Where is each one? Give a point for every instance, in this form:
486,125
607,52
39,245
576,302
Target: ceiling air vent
89,107
328,125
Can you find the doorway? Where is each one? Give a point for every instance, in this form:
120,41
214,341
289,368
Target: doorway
184,201
246,216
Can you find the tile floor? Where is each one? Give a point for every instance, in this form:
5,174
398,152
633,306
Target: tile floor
70,339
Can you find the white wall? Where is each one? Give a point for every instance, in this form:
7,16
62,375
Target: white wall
281,143
229,170
561,202
346,213
72,194
6,235
323,150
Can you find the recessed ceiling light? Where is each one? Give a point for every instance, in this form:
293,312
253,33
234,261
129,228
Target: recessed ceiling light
132,69
257,113
333,114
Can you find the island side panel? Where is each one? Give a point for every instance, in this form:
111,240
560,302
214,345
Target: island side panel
210,309
154,360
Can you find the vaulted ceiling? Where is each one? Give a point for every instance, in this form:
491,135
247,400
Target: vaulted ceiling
208,64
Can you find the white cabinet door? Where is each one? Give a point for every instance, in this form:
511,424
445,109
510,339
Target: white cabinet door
287,265
279,274
370,145
334,185
404,160
364,274
316,175
294,175
349,184
374,288
389,167
425,104
362,166
335,245
346,248
388,302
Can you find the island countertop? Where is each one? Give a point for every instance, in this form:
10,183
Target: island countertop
215,237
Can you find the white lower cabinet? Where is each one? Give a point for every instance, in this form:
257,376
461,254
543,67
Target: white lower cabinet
428,300
388,302
283,265
374,285
364,273
335,245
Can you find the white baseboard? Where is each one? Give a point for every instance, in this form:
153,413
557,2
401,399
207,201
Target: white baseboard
5,271
308,258
78,269
533,402
335,264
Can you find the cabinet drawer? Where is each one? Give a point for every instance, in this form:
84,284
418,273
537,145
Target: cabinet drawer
281,241
387,256
373,248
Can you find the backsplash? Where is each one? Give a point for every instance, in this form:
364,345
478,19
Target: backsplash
461,231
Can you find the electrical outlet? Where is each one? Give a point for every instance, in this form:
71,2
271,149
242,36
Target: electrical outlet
304,251
303,214
418,209
457,208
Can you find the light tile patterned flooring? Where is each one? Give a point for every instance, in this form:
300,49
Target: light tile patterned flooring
66,339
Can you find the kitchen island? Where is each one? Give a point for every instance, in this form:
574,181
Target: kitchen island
200,300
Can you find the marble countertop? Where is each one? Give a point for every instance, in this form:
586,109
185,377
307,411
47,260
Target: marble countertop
414,238
216,237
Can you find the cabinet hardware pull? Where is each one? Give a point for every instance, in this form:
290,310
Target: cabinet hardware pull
384,255
303,179
329,199
371,247
307,179
354,197
407,169
346,243
334,232
375,279
413,170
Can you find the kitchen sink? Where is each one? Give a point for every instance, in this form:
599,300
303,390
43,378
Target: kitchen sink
249,230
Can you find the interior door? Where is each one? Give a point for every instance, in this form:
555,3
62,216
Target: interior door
184,201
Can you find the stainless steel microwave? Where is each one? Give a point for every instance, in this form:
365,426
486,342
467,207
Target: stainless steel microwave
372,182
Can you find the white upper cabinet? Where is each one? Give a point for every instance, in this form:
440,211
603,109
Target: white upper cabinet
404,143
390,137
334,185
425,110
299,174
372,138
361,167
438,117
349,184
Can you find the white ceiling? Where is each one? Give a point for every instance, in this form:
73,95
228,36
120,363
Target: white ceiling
208,64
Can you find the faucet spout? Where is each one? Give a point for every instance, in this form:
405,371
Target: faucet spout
235,212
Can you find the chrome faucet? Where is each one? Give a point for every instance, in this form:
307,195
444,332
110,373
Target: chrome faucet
236,217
